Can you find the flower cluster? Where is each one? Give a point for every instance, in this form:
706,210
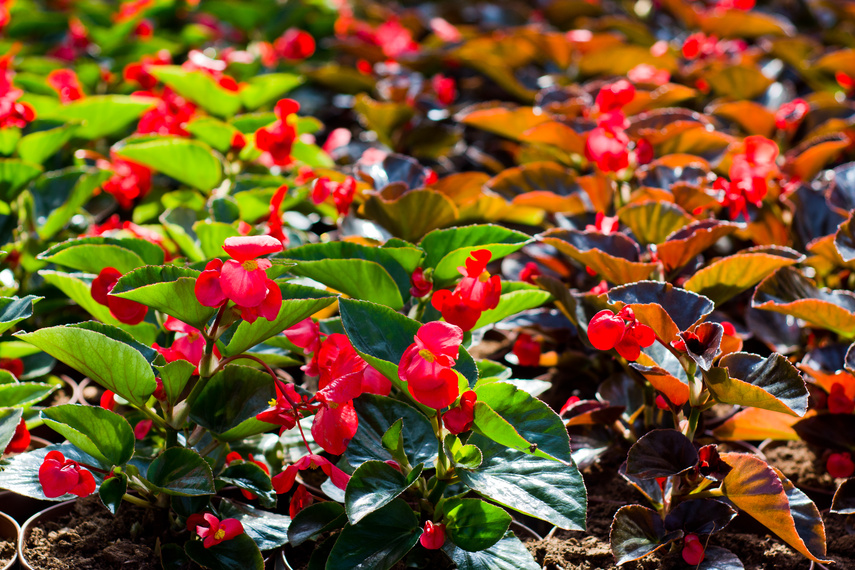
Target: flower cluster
477,292
58,476
621,331
342,193
276,140
607,145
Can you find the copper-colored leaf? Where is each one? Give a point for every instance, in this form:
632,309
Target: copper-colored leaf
556,134
652,222
755,424
810,157
614,257
738,81
745,24
683,245
502,118
618,60
671,387
754,118
413,214
382,117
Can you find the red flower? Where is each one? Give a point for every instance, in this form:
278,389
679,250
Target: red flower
527,350
295,44
529,272
478,287
235,456
274,219
750,171
789,115
455,309
445,31
609,150
615,96
571,401
159,391
459,419
188,344
65,82
129,181
238,141
341,371
622,332
838,401
277,140
140,72
281,412
334,426
433,536
693,550
126,311
13,365
445,89
299,501
283,482
421,286
661,402
604,224
169,116
337,138
840,465
12,114
142,428
242,279
20,440
108,400
426,364
343,194
213,530
646,74
58,476
395,39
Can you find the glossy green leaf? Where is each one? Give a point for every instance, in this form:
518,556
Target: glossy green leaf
750,380
212,236
239,552
473,524
514,299
523,422
112,363
21,394
181,471
268,530
378,541
298,303
58,203
376,415
188,161
14,176
267,88
175,376
413,214
250,477
448,249
382,117
542,488
9,420
636,532
102,115
725,278
15,309
199,87
92,254
231,396
653,221
9,137
755,488
315,520
39,146
101,433
21,472
507,554
374,485
661,453
112,491
217,134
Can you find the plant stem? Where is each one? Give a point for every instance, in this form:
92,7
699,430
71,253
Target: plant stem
692,424
438,489
137,501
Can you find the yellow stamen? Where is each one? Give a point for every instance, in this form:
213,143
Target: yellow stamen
484,277
250,264
220,534
272,403
427,355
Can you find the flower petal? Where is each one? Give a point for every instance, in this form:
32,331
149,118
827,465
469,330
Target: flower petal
243,248
245,288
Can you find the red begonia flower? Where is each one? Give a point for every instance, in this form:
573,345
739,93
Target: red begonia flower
604,224
527,350
126,311
284,481
445,89
478,287
277,139
140,72
343,195
20,440
460,418
159,391
840,465
790,114
455,309
607,149
58,476
426,364
281,412
129,181
306,334
373,382
299,501
13,365
295,44
838,401
622,332
334,426
661,402
108,400
571,401
605,330
615,96
693,550
215,531
433,536
341,370
65,82
445,30
238,141
168,117
421,286
529,272
338,138
142,428
188,345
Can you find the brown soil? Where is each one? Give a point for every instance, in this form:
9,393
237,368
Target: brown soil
7,551
90,538
802,465
755,546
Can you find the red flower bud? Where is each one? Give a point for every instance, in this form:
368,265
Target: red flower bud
527,350
838,401
20,440
433,537
108,400
459,419
693,550
159,392
840,465
58,476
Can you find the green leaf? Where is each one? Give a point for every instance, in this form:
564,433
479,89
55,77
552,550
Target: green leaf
413,214
376,415
15,309
9,420
314,520
473,524
168,289
507,554
232,395
448,249
248,428
637,531
175,376
378,541
750,380
9,137
101,115
77,288
374,485
199,87
112,363
39,146
521,298
298,303
531,419
101,433
188,161
181,471
22,394
216,133
60,202
543,488
112,490
381,335
264,89
311,155
250,477
92,254
393,441
239,552
14,175
212,236
268,530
